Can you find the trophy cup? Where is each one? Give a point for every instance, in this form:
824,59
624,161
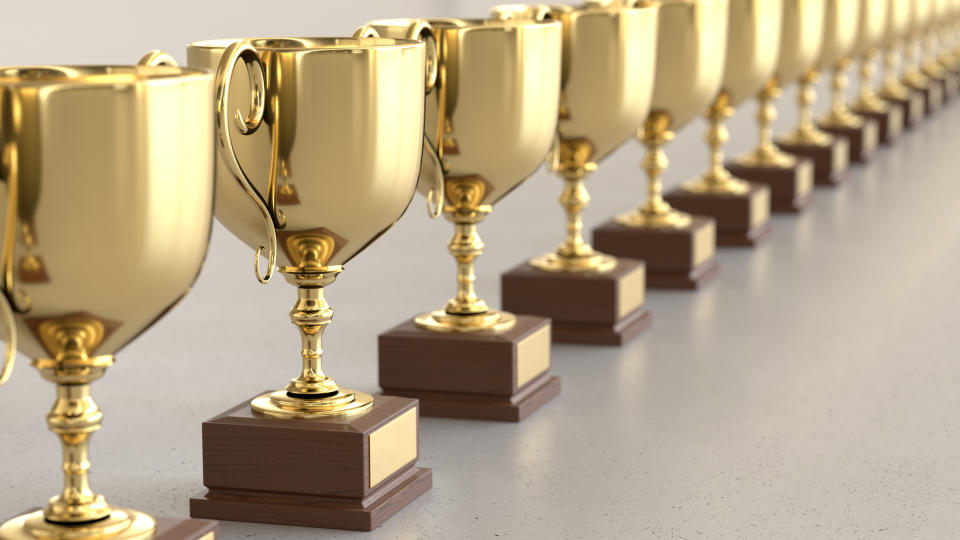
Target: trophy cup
920,15
608,66
899,95
830,154
742,209
492,117
340,121
790,177
108,195
874,18
679,249
840,46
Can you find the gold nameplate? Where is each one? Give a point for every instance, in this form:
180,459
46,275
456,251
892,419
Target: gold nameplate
871,135
936,96
841,154
895,119
704,244
916,105
533,355
631,291
759,207
804,180
393,446
208,536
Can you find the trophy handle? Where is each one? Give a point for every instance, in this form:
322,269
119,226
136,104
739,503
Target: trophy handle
8,300
432,156
272,218
156,58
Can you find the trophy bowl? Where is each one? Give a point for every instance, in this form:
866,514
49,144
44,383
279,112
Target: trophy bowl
895,31
801,37
328,152
108,198
491,123
840,17
871,32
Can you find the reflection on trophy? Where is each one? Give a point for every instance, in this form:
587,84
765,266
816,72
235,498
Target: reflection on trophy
342,120
742,209
492,122
840,46
919,17
790,177
871,32
607,82
678,248
830,154
83,275
893,90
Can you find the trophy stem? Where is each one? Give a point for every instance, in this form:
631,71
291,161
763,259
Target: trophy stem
840,115
718,179
868,100
931,67
465,246
806,132
311,314
892,87
766,154
655,212
913,76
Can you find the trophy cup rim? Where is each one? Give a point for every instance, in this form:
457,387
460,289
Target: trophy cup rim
476,24
96,75
312,44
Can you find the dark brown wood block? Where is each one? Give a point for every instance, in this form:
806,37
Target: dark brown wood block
791,188
829,161
863,140
742,219
342,472
889,123
912,107
185,529
480,375
675,258
584,307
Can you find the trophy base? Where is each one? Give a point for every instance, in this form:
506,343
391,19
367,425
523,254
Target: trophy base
863,140
912,107
676,258
829,161
478,375
160,528
743,219
338,472
595,308
951,85
932,96
889,123
791,188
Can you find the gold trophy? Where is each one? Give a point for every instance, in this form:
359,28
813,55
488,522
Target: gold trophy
679,249
742,209
607,83
893,90
830,154
840,47
947,39
93,159
871,32
790,177
932,65
914,77
339,121
492,118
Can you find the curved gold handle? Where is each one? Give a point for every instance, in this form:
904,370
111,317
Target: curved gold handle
10,351
9,294
156,58
246,125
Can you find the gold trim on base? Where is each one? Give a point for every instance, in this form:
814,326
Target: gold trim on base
672,219
122,524
490,320
281,404
594,262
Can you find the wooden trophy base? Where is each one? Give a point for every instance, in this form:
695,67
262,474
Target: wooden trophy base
337,472
742,219
932,96
583,307
829,162
889,124
912,107
791,188
675,258
863,140
481,375
951,85
178,528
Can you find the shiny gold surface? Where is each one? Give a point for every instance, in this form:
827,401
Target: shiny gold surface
896,30
920,15
392,446
870,38
631,291
691,47
533,355
492,121
609,55
841,29
116,147
339,123
704,244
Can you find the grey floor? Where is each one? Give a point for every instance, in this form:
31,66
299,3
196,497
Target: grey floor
810,392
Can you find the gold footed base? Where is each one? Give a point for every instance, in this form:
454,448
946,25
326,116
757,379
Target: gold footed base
841,121
490,320
281,404
671,219
122,524
725,186
593,262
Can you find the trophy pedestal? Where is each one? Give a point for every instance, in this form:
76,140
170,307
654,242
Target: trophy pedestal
583,307
742,219
863,140
912,107
791,188
932,96
338,472
477,375
889,123
829,161
171,529
683,258
951,85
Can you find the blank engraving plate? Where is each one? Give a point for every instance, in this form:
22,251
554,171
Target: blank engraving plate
704,243
393,446
631,291
533,355
759,207
804,183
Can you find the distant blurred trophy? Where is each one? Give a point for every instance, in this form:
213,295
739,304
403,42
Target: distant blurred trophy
742,209
608,68
108,194
914,75
678,248
899,95
871,33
